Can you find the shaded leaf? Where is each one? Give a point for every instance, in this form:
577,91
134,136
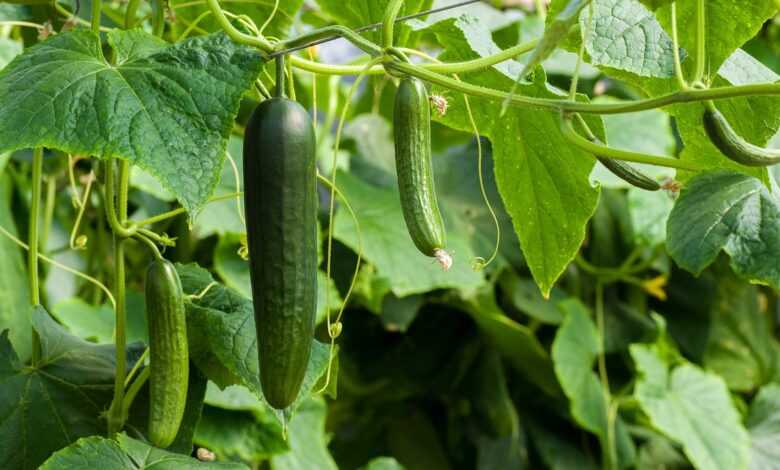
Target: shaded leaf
723,210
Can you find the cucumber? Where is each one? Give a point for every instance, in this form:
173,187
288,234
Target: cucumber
168,353
629,174
723,136
280,196
412,132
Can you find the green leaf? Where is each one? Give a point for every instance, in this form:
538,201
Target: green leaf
308,443
235,435
383,463
525,297
516,342
763,422
59,400
542,180
125,454
222,217
227,321
169,112
624,35
649,211
14,290
722,210
387,245
555,32
96,323
659,453
691,407
740,345
557,452
575,350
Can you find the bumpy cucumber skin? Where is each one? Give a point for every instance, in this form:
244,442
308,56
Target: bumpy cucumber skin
168,352
732,145
629,174
412,129
280,195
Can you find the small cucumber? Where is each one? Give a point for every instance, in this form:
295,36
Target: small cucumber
412,131
629,174
280,194
723,136
168,353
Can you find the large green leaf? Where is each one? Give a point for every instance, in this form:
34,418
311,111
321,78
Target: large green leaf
125,453
235,435
14,291
387,245
307,439
740,345
542,180
763,422
574,352
221,326
723,210
167,109
691,407
624,35
48,406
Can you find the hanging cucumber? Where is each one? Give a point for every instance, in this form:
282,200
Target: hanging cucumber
723,136
621,169
412,129
281,207
168,353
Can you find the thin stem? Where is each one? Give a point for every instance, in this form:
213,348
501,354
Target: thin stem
609,460
48,211
683,96
96,9
32,255
110,201
150,244
567,129
701,38
676,45
180,210
237,179
575,79
116,416
137,366
541,9
130,13
82,207
158,21
24,24
193,25
132,392
280,77
57,264
270,17
391,13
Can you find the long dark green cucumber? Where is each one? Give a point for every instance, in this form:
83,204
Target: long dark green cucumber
412,131
723,136
281,208
168,352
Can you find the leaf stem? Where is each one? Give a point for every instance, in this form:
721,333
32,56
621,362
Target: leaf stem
33,242
701,41
130,13
388,22
116,416
132,392
676,45
96,12
567,129
110,200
